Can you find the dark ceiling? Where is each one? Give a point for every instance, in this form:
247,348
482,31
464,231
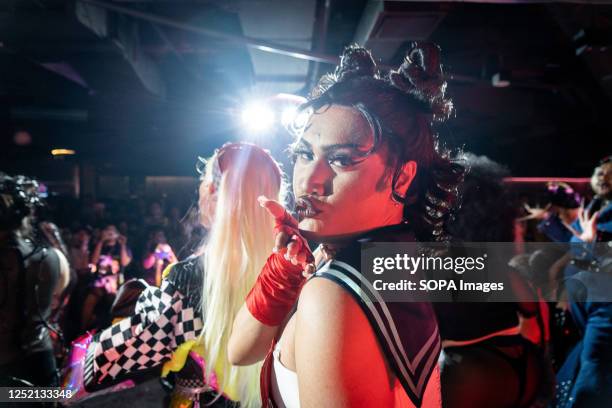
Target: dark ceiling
133,96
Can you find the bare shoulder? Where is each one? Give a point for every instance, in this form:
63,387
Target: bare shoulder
329,314
327,300
318,290
334,346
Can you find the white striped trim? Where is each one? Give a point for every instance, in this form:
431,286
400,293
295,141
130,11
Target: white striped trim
392,346
417,359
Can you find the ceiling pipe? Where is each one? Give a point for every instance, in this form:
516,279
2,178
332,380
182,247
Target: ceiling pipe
257,44
261,45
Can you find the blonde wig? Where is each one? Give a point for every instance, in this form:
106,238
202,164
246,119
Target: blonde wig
239,241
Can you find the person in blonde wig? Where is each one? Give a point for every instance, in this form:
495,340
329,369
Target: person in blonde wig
184,325
237,247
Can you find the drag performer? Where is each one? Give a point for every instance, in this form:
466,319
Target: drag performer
31,277
367,169
184,326
585,378
483,349
562,209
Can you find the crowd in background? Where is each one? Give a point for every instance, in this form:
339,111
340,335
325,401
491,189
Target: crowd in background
109,242
233,316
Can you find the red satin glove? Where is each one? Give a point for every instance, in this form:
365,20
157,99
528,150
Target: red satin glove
280,281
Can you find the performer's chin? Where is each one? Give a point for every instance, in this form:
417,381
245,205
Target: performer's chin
311,227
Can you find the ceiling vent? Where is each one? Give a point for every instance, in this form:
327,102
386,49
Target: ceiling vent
386,25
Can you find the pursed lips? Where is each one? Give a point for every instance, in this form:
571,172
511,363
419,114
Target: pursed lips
307,207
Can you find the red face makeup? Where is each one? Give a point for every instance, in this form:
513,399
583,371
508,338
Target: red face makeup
340,187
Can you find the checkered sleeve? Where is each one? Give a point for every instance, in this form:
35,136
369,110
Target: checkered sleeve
161,322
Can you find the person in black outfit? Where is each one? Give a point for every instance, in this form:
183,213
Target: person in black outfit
29,278
486,361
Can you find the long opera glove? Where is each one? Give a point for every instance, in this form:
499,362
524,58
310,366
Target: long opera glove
280,281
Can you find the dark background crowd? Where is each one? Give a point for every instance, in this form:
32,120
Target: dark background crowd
109,104
154,233
109,242
149,233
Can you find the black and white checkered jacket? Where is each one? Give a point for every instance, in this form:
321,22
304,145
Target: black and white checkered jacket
164,318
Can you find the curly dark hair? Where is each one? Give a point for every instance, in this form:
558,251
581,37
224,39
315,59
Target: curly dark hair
401,106
487,208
